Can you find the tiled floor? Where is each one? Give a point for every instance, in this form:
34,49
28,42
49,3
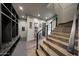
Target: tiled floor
31,45
31,51
25,48
20,49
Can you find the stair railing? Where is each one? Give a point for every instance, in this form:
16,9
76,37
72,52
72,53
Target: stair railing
46,32
71,46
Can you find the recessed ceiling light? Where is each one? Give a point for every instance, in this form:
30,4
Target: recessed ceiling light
45,17
38,14
22,16
20,7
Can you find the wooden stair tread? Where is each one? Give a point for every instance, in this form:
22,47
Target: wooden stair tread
60,36
59,41
61,50
48,50
61,44
61,33
40,52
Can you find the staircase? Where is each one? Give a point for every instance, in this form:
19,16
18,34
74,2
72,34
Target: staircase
57,42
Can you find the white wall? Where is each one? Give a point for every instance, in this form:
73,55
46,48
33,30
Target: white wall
22,23
30,31
69,12
65,11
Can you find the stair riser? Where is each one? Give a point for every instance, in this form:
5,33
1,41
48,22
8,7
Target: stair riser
65,29
57,43
59,38
62,30
51,47
60,34
75,53
44,50
63,46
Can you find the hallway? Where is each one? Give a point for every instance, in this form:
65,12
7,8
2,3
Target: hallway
42,29
24,48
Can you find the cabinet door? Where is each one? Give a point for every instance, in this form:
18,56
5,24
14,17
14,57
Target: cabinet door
0,25
43,27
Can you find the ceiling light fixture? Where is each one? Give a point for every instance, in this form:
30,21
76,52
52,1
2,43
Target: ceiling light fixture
22,16
38,14
20,7
45,17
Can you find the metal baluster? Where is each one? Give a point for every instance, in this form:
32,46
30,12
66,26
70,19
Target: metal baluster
37,41
51,27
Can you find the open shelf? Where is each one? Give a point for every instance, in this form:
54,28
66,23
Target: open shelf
8,5
9,24
6,29
4,10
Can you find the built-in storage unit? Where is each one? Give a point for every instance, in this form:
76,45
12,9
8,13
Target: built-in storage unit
0,26
8,24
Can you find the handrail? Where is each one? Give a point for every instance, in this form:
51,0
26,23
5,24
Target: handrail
72,35
38,36
46,30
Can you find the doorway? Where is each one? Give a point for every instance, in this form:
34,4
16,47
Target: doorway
49,28
44,29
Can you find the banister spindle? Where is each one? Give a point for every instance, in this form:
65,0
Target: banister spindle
37,41
51,27
47,30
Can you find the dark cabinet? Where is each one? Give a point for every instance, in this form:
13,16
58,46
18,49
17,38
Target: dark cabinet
9,22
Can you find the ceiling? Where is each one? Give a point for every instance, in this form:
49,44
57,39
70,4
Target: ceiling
33,9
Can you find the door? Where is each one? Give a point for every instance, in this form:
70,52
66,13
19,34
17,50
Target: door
43,27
